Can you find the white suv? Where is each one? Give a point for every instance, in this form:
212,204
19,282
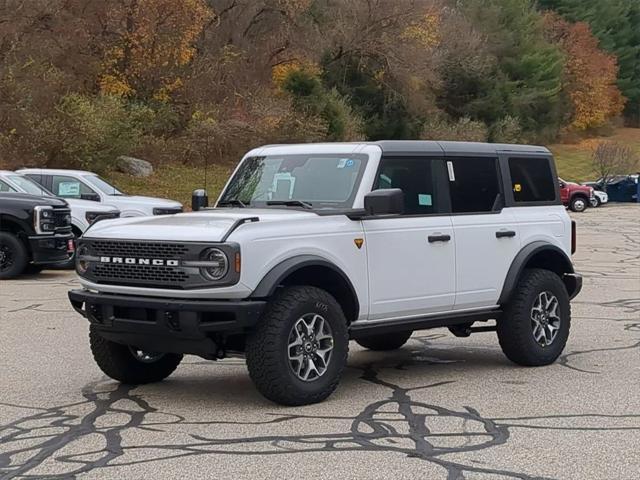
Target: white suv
89,186
311,245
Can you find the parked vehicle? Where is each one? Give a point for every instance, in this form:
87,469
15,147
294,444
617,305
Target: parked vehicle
311,245
89,186
576,197
599,198
35,232
619,188
83,212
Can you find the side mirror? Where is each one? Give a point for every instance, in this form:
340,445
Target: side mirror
94,197
199,200
387,201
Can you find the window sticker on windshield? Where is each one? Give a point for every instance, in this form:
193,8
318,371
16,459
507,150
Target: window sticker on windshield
69,189
424,199
345,162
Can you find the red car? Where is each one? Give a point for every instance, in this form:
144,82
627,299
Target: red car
576,197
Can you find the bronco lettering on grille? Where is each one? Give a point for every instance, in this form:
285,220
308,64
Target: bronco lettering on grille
140,261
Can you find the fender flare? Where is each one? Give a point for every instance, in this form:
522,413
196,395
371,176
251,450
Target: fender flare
277,274
521,260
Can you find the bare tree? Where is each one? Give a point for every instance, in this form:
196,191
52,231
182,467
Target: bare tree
612,158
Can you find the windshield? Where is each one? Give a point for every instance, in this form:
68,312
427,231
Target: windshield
29,186
102,185
308,180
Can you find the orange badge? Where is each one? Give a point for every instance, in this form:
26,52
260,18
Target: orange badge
358,242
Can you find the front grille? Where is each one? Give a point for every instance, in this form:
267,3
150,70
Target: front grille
62,220
139,249
166,276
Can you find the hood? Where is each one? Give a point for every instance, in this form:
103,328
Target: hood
204,226
32,200
90,206
148,201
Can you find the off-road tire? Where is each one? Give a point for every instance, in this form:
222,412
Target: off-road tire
118,362
579,203
267,347
515,332
383,342
19,256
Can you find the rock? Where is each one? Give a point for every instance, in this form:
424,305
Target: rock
134,166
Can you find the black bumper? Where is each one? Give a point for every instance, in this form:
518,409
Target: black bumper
50,249
166,325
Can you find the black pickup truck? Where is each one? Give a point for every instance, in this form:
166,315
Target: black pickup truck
34,232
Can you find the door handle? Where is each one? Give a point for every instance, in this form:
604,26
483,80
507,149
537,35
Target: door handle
505,234
438,238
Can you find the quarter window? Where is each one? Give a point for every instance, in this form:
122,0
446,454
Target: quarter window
532,180
4,187
474,185
416,177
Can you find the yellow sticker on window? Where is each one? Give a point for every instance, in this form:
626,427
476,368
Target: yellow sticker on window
517,187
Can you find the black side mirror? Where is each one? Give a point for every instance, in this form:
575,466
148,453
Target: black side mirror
199,200
94,197
387,201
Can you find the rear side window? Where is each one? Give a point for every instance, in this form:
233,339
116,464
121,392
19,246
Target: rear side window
416,177
532,179
474,185
4,187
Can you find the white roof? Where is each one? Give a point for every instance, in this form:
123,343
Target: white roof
55,171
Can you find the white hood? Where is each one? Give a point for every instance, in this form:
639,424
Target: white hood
153,202
89,206
204,226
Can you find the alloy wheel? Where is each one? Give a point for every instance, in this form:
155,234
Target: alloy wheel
310,346
6,258
545,318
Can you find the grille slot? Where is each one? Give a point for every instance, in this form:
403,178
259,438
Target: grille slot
140,249
62,219
116,273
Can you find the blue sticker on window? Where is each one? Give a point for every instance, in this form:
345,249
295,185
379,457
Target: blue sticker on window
424,199
350,163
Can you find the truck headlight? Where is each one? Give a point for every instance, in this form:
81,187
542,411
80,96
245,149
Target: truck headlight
82,264
93,217
43,221
217,264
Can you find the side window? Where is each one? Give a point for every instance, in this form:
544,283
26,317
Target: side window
474,185
4,187
69,187
532,180
416,177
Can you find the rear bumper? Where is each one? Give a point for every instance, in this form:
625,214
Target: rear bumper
166,325
50,249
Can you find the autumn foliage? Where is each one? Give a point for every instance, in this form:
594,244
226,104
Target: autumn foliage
590,74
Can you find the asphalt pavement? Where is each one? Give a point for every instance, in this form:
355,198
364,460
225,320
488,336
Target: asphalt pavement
439,408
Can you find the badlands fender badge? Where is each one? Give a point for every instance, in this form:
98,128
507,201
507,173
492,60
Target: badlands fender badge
359,242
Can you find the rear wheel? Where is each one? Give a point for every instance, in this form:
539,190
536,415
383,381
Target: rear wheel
579,203
13,256
299,349
382,342
129,364
535,325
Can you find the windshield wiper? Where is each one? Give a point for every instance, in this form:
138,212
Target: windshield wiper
234,202
291,203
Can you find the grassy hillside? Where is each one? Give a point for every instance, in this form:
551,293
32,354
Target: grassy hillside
178,181
574,160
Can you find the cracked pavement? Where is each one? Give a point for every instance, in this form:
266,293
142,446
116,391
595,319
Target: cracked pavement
439,408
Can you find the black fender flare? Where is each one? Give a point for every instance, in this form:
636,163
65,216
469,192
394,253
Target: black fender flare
521,260
277,274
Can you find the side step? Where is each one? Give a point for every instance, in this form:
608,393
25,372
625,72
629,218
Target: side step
460,321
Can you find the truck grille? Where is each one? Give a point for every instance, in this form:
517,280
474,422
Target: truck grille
166,276
62,220
140,249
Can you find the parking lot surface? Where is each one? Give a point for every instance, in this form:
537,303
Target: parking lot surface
439,408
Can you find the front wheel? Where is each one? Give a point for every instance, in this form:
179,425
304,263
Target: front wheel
13,256
578,204
535,325
298,351
130,365
595,202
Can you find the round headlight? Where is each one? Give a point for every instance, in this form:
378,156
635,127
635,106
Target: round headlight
82,265
219,264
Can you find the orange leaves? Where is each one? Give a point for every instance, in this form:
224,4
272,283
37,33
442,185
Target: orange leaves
425,31
590,74
155,38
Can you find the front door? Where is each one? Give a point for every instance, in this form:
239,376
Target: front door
411,257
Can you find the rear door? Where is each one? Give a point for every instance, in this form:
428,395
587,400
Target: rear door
411,257
486,233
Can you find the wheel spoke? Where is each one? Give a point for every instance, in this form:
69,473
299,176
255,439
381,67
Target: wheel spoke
309,347
545,318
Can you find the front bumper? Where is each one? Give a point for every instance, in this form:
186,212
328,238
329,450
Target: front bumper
50,249
164,324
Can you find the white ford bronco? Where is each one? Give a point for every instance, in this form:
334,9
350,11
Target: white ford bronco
312,245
